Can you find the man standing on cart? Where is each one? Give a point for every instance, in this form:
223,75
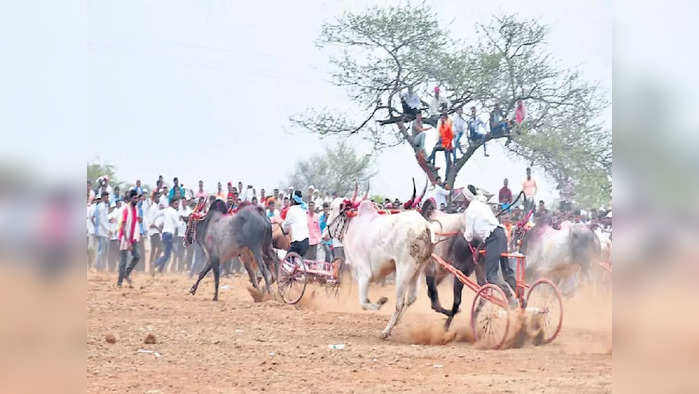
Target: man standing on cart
297,223
481,225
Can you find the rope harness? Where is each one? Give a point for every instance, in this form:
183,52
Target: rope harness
197,215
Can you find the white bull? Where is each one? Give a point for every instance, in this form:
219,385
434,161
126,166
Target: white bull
564,256
376,245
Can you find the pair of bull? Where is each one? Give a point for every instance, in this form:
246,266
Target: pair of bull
375,245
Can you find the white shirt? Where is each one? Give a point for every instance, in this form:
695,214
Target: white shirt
248,194
436,103
170,218
459,124
101,220
90,226
181,224
412,100
115,217
297,222
479,221
439,194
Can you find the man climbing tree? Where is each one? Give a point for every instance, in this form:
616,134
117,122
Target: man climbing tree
385,50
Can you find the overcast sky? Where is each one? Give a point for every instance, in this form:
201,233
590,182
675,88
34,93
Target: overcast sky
204,90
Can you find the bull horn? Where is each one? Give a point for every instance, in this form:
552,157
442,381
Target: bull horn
412,199
356,189
366,194
419,200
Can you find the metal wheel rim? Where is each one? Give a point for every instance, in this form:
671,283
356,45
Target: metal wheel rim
548,304
287,281
489,317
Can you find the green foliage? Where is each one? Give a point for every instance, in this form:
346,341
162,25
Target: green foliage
336,170
380,51
96,170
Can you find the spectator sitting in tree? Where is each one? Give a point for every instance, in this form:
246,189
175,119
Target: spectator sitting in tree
419,135
410,103
438,104
475,126
459,128
499,126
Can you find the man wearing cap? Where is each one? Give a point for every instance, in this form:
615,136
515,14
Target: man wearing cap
481,226
296,223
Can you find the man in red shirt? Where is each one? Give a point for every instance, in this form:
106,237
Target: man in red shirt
446,135
128,238
505,195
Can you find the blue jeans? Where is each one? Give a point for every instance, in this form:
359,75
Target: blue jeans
500,129
419,141
476,138
101,256
457,146
167,242
124,269
447,156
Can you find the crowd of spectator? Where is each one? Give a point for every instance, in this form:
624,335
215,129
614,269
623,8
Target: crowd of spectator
452,128
159,219
162,215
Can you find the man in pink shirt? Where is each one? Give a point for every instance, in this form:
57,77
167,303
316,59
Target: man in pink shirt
529,188
201,192
314,237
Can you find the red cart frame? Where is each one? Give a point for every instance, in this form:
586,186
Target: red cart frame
490,311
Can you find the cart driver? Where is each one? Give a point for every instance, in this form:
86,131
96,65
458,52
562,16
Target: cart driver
481,226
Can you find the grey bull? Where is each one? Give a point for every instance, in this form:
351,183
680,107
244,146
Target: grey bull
246,234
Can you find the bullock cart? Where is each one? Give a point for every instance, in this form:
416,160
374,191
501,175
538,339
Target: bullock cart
294,273
490,313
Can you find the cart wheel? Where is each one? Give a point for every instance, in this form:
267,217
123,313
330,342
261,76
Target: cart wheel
545,304
490,316
333,288
291,278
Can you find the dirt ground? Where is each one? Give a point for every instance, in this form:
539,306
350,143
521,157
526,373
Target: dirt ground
237,345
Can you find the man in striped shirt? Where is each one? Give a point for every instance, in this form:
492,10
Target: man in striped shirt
129,233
